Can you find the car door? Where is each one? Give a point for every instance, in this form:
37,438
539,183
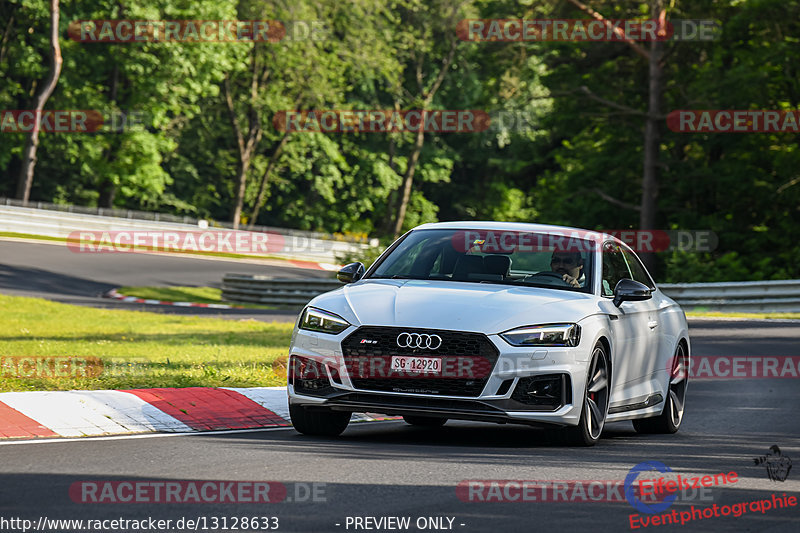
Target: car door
631,327
658,338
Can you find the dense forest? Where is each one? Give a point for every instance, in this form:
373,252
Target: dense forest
578,132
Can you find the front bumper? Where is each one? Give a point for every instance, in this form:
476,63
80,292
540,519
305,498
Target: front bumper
515,373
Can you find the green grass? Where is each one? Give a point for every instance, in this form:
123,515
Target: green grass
201,295
139,349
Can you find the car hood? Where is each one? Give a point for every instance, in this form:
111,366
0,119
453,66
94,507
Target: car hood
460,306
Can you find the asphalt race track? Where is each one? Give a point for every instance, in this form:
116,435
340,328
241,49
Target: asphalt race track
81,279
385,469
388,469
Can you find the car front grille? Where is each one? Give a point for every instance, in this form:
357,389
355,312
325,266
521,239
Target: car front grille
467,360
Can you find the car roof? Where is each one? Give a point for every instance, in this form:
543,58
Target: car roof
520,226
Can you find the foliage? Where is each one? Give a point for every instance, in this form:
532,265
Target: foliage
366,256
555,152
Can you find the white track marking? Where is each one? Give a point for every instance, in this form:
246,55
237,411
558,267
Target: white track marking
272,398
137,436
83,413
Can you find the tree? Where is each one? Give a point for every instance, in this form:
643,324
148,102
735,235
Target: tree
309,69
25,179
653,117
426,44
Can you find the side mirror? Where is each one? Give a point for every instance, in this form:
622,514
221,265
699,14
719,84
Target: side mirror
350,273
628,290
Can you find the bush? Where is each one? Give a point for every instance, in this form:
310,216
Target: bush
366,256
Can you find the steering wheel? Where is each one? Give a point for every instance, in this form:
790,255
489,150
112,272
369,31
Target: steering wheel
551,274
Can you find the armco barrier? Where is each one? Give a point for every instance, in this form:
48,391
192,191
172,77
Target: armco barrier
742,296
304,246
266,290
156,217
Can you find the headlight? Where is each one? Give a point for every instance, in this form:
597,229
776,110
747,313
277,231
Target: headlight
322,321
544,335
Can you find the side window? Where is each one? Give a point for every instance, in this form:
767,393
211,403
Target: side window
436,268
637,269
614,268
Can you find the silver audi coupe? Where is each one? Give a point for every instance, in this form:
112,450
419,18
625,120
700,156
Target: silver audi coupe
549,326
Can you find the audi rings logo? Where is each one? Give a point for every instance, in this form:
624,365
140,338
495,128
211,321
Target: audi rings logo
419,340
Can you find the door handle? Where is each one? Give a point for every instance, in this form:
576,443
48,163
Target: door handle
652,324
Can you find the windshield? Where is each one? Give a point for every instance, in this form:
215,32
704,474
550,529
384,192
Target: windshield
552,260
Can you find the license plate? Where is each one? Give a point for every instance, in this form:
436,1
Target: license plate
417,365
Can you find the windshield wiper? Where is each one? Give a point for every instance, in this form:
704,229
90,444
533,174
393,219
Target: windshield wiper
523,283
398,276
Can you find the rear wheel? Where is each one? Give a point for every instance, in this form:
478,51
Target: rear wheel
425,421
669,421
326,423
595,402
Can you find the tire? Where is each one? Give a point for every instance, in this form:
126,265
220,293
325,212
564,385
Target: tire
325,423
595,401
425,421
669,421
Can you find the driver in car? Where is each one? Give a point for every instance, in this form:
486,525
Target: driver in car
570,266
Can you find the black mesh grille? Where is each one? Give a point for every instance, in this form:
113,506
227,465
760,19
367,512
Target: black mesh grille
550,391
467,361
504,387
309,377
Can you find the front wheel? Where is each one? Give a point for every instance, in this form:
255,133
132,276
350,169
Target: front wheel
669,421
595,401
318,422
